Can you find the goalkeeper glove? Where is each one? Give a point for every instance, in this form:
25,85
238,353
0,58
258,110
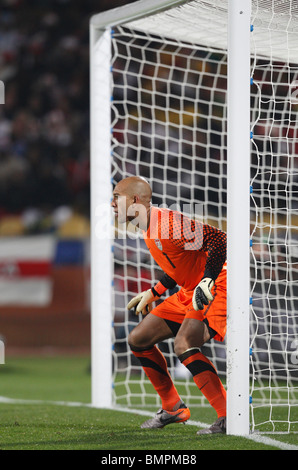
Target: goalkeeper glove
142,302
202,293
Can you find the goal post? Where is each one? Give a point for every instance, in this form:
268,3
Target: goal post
238,216
199,97
101,246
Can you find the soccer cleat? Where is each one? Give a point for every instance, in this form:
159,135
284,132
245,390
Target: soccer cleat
219,427
163,418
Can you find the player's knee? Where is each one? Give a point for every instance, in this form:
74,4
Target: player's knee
192,334
136,340
180,345
133,340
185,341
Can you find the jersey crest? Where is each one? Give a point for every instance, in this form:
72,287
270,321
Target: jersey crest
158,244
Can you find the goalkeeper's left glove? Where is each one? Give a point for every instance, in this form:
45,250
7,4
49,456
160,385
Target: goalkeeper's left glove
142,302
202,293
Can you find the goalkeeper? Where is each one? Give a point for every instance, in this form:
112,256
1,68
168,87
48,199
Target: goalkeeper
192,255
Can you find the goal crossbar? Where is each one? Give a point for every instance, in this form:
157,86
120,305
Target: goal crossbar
132,12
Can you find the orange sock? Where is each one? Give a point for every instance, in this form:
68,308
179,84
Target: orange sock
155,367
206,378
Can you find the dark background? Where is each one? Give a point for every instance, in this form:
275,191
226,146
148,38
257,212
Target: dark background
44,123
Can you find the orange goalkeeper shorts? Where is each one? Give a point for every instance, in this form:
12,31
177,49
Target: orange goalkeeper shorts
179,306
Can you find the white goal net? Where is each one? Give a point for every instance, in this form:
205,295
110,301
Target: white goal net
169,124
274,221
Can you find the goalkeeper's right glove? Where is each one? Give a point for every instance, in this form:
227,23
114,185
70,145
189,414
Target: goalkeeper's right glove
142,302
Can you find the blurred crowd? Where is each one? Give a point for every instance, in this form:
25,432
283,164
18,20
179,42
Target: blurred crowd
44,123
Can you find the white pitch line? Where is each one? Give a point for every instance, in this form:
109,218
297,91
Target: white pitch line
253,437
261,439
21,401
268,441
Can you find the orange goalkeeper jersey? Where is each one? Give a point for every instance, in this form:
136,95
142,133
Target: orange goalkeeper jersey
186,250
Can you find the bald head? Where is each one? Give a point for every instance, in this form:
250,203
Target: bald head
131,195
137,187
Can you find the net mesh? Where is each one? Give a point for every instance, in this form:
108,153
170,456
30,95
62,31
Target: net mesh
274,236
169,126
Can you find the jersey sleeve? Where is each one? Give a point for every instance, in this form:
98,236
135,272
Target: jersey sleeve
215,243
165,283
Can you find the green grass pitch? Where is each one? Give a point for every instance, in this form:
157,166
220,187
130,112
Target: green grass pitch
40,420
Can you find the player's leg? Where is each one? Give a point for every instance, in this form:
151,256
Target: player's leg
142,341
191,336
148,332
193,333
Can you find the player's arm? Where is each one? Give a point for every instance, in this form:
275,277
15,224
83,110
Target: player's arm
143,301
215,244
165,283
